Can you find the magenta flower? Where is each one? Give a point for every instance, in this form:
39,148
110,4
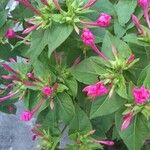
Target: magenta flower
89,39
47,91
104,20
145,4
126,121
26,116
10,33
141,95
137,24
98,89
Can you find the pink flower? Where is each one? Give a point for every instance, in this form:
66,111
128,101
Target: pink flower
87,37
10,33
47,91
105,142
104,20
95,90
141,95
126,121
26,116
145,4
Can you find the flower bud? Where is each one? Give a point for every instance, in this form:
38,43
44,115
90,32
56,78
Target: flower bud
87,37
47,91
126,121
141,95
106,142
143,3
104,20
10,33
95,90
26,116
137,24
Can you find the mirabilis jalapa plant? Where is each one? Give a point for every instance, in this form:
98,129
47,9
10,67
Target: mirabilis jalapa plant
99,97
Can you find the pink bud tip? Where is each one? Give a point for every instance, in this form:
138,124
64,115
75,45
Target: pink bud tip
34,137
109,143
104,20
45,2
141,95
126,121
26,116
87,37
98,89
7,77
9,69
137,23
77,60
30,75
89,4
10,33
47,91
131,59
30,29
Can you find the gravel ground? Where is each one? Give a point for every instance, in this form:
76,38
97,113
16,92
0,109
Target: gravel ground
15,134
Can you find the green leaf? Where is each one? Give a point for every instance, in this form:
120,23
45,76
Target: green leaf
102,125
144,78
65,107
31,99
57,35
53,37
39,41
135,135
80,122
132,38
104,6
105,105
3,16
121,87
124,9
87,71
118,29
72,84
109,40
